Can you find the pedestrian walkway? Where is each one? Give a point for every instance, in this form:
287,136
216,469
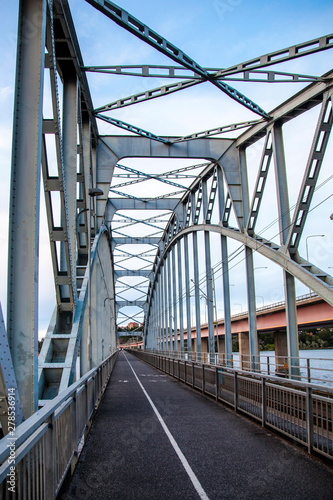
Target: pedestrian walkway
155,439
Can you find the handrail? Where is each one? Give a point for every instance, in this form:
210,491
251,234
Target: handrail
301,411
78,400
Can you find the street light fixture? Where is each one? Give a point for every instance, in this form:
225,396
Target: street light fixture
306,243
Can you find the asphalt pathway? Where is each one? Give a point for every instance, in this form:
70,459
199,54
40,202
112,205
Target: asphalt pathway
154,438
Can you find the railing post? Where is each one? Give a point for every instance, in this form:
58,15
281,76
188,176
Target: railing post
308,368
235,391
87,404
263,402
203,378
192,373
309,418
50,460
74,436
185,371
217,383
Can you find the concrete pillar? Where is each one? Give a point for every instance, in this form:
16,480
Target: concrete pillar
244,350
204,344
281,353
223,355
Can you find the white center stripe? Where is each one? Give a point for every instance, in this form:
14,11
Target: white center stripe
195,481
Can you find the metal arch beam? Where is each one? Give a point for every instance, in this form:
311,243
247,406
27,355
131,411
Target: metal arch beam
313,277
139,29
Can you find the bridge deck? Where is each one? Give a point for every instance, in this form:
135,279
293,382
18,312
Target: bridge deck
156,439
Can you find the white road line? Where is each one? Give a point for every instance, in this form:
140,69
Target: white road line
195,481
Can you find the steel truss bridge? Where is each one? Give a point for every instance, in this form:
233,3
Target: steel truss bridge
120,256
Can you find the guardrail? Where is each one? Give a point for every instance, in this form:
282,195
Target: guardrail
298,410
36,456
311,370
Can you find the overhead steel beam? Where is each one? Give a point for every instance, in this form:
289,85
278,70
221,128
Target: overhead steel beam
148,95
215,131
148,204
278,56
150,176
139,29
132,128
180,72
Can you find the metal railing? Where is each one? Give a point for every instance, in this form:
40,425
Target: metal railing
298,410
311,370
36,456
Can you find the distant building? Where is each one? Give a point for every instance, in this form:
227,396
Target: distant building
132,325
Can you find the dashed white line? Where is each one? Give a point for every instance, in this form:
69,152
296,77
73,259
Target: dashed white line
195,481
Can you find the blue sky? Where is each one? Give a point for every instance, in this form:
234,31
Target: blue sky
216,33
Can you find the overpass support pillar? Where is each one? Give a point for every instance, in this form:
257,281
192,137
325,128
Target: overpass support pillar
221,348
244,351
281,353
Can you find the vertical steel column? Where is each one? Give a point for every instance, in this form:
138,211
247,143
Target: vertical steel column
157,308
170,302
160,311
70,110
196,280
188,294
174,292
165,293
251,295
22,321
284,225
225,273
196,290
209,278
180,297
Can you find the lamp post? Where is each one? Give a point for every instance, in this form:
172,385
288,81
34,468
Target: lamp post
260,296
307,247
306,242
237,304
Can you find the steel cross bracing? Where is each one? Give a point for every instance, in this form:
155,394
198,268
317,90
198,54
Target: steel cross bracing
100,278
180,72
